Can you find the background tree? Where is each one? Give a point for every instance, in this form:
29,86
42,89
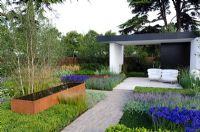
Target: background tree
34,43
187,14
90,47
71,43
50,48
141,10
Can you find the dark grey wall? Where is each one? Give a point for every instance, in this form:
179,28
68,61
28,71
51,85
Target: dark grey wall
174,55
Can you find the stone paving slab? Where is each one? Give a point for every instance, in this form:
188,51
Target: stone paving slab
131,82
102,115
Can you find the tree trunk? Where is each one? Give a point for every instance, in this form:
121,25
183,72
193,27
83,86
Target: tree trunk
28,64
31,41
177,6
19,66
163,12
20,76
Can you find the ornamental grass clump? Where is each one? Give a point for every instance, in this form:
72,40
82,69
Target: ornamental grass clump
78,100
63,73
70,67
180,119
188,80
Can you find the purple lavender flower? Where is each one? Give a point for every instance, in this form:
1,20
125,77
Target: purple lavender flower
169,100
74,78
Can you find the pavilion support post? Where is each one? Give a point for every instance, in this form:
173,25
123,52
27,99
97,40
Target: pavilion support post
116,58
195,54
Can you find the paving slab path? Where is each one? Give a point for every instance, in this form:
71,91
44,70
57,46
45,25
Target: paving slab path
105,113
131,82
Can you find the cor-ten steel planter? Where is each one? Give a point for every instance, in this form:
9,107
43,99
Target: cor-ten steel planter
34,103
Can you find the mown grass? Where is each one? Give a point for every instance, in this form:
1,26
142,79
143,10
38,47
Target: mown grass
163,90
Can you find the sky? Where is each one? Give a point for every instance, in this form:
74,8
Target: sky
84,15
98,15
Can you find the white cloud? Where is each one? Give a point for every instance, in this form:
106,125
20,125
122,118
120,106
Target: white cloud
98,15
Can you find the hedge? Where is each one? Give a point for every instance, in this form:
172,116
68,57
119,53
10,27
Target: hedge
136,74
123,128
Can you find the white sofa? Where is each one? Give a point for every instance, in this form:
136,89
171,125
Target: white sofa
154,74
166,75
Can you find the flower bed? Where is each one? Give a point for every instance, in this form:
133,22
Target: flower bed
80,78
104,83
167,109
74,78
177,118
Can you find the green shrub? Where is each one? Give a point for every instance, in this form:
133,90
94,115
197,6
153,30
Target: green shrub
10,86
104,83
93,97
85,72
119,128
136,74
185,79
135,115
188,81
139,107
123,128
91,66
163,90
103,71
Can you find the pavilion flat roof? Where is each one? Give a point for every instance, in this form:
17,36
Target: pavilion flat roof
148,38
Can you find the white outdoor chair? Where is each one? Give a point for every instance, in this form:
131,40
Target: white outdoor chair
169,75
154,74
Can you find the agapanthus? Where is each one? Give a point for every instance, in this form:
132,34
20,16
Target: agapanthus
187,118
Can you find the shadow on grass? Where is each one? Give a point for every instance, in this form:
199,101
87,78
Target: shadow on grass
136,119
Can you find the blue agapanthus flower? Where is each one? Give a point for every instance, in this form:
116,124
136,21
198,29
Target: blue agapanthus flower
74,78
189,119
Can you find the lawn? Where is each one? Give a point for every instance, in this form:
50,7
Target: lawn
163,90
53,119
